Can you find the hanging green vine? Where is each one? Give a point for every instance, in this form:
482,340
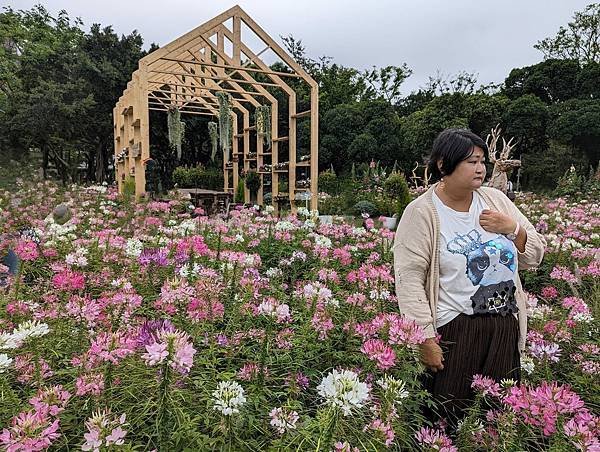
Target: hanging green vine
225,129
263,123
176,129
214,139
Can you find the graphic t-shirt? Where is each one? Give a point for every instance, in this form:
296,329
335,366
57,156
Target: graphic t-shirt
477,268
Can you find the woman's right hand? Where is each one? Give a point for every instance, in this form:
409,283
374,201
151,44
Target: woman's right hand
431,355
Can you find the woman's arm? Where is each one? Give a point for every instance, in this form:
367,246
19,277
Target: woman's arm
412,257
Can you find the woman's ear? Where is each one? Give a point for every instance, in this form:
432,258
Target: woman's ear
440,163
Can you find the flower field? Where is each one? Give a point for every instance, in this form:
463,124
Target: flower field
152,326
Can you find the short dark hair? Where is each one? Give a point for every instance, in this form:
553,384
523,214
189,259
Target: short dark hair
452,146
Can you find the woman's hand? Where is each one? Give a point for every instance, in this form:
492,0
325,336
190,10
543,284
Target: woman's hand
431,355
497,222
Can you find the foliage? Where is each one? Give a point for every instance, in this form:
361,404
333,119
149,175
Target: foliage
239,191
252,181
176,128
579,41
225,122
213,132
365,207
328,182
570,184
198,177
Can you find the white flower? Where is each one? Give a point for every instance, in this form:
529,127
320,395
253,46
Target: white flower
343,389
228,397
303,211
186,227
283,419
269,209
133,248
239,238
583,317
9,341
527,364
284,225
5,362
273,272
394,388
31,328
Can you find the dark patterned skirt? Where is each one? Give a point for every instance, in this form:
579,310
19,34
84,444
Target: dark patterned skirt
472,344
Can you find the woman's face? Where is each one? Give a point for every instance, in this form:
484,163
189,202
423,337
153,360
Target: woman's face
470,173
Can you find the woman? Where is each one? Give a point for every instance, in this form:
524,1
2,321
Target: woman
457,252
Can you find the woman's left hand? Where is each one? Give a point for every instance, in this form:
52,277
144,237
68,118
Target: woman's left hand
496,222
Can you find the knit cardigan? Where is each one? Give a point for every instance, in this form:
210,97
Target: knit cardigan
416,258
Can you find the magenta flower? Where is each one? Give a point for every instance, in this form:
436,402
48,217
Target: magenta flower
27,250
485,385
30,431
380,352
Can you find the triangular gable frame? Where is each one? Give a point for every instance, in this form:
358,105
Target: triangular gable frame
194,67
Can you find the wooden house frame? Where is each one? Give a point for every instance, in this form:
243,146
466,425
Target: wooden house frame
188,72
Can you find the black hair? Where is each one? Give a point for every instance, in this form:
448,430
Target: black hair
452,146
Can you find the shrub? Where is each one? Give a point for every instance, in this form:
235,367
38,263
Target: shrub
365,207
198,177
328,182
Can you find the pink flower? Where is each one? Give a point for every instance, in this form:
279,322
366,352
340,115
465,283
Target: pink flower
27,250
52,400
68,280
174,347
30,431
485,385
549,292
385,428
104,430
378,351
434,440
89,384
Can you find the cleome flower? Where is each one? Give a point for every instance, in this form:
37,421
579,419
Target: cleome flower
228,397
343,389
173,346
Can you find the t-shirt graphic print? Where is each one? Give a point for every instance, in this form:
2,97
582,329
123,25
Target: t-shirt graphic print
491,266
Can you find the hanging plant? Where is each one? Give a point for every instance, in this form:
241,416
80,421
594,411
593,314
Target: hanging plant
225,132
263,123
214,139
252,181
176,129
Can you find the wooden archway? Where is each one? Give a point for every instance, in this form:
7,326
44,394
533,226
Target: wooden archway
190,70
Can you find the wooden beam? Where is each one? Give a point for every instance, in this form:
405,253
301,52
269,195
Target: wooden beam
226,79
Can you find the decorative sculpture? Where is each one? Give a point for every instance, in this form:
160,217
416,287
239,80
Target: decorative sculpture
502,163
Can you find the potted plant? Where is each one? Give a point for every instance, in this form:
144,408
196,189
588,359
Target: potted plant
252,183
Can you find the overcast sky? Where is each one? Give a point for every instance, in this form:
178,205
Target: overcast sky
486,37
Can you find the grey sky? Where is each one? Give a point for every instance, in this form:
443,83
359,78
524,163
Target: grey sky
485,37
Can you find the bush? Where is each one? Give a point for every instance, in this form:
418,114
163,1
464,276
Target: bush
569,184
334,205
365,207
198,177
239,193
396,187
328,182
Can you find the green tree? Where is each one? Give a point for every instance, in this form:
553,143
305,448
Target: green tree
580,40
526,118
552,81
577,123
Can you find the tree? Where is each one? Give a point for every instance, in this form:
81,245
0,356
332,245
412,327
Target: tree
577,123
526,118
384,83
551,80
579,41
